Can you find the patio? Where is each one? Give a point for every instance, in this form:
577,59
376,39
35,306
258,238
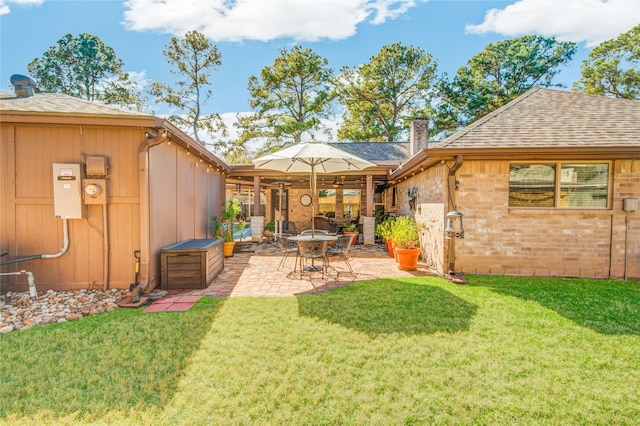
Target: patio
254,274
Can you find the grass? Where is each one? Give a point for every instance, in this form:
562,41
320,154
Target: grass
501,350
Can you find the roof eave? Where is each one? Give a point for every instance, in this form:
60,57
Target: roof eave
431,156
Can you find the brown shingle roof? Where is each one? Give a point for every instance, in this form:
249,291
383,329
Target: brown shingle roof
381,153
549,118
57,103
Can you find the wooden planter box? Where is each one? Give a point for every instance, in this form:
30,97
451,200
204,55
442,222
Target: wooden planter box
191,264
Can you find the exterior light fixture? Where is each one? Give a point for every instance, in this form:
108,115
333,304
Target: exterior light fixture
454,229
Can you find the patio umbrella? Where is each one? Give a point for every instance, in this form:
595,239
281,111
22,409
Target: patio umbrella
311,157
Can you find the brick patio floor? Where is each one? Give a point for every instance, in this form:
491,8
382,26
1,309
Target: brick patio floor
255,274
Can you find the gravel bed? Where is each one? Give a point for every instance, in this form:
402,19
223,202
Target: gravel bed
19,312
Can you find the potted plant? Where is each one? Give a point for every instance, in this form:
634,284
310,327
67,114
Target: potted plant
383,231
269,229
227,223
352,229
405,234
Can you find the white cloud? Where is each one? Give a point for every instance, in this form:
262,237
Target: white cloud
5,9
237,20
588,21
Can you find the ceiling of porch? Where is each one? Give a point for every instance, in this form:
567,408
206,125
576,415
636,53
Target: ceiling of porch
244,175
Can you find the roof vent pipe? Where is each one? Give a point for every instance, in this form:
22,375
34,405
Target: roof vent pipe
23,86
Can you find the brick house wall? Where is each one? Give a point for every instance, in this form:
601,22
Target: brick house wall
531,242
430,211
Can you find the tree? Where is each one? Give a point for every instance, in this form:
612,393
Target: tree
497,75
194,58
612,68
382,97
86,68
291,97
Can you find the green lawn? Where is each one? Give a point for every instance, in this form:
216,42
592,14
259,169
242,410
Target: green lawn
501,350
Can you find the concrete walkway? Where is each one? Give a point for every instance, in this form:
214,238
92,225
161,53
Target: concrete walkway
254,273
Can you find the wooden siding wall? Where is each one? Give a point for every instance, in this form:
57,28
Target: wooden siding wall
184,198
545,242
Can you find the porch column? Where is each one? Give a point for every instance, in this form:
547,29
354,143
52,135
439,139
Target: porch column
257,220
369,209
369,222
256,195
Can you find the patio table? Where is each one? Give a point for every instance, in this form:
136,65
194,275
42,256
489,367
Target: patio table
299,238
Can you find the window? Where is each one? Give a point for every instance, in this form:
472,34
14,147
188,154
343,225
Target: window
351,203
562,185
327,202
245,199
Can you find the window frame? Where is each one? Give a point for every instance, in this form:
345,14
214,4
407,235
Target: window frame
242,193
558,164
357,205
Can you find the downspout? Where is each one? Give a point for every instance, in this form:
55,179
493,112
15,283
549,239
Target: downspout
451,178
452,174
145,220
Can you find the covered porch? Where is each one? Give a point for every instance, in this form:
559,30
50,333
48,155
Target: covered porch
342,198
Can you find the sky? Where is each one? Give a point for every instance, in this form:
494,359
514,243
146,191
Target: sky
251,33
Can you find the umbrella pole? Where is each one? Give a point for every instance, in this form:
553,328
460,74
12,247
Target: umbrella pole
279,231
313,199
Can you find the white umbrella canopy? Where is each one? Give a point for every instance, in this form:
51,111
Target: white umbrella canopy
311,157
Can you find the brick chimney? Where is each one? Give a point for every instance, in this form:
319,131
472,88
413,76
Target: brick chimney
418,135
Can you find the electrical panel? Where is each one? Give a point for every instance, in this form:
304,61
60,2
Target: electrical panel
67,191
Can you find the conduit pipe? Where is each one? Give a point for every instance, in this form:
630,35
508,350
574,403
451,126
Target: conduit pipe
63,250
32,282
145,242
105,240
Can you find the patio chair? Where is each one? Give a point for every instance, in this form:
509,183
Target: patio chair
288,247
341,250
324,223
313,250
289,227
316,231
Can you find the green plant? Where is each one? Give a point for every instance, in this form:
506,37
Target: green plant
383,229
270,226
380,216
406,232
228,220
352,227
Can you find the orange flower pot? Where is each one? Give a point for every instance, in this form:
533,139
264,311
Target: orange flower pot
354,237
389,247
407,258
228,248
